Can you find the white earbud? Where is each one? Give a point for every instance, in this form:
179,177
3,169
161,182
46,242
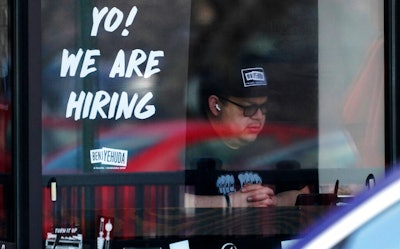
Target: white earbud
217,107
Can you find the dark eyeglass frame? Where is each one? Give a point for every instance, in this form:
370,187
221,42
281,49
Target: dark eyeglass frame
249,110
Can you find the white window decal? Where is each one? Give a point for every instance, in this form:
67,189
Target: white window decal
107,156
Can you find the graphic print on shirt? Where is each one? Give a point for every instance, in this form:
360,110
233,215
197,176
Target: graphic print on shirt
227,183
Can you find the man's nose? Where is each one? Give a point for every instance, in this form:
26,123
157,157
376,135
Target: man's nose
258,114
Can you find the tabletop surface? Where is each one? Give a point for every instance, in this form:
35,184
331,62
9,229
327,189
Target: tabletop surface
271,221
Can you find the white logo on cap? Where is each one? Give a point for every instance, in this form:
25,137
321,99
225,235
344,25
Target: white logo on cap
253,77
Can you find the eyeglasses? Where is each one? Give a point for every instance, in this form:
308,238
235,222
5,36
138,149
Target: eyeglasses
249,110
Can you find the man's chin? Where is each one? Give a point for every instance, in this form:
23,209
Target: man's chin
239,142
249,138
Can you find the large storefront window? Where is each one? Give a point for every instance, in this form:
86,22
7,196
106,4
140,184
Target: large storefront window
156,115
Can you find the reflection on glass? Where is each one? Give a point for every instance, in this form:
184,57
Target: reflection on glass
351,90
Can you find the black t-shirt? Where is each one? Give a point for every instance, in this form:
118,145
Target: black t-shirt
222,170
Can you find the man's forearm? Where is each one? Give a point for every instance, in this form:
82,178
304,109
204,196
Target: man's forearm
205,201
288,198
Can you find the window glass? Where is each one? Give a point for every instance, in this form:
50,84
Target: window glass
351,90
157,104
113,85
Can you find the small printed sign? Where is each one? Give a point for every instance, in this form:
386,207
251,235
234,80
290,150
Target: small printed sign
109,158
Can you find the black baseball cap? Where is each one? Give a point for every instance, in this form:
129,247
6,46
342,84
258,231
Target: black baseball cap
244,82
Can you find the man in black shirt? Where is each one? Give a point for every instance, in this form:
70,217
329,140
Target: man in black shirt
236,107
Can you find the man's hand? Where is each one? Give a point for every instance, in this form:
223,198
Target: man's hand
253,195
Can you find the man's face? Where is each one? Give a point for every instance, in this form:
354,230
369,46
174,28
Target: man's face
233,119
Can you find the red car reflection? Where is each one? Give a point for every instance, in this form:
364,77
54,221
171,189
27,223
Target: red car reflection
159,146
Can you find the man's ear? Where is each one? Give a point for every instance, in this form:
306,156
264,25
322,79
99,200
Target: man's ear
214,105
